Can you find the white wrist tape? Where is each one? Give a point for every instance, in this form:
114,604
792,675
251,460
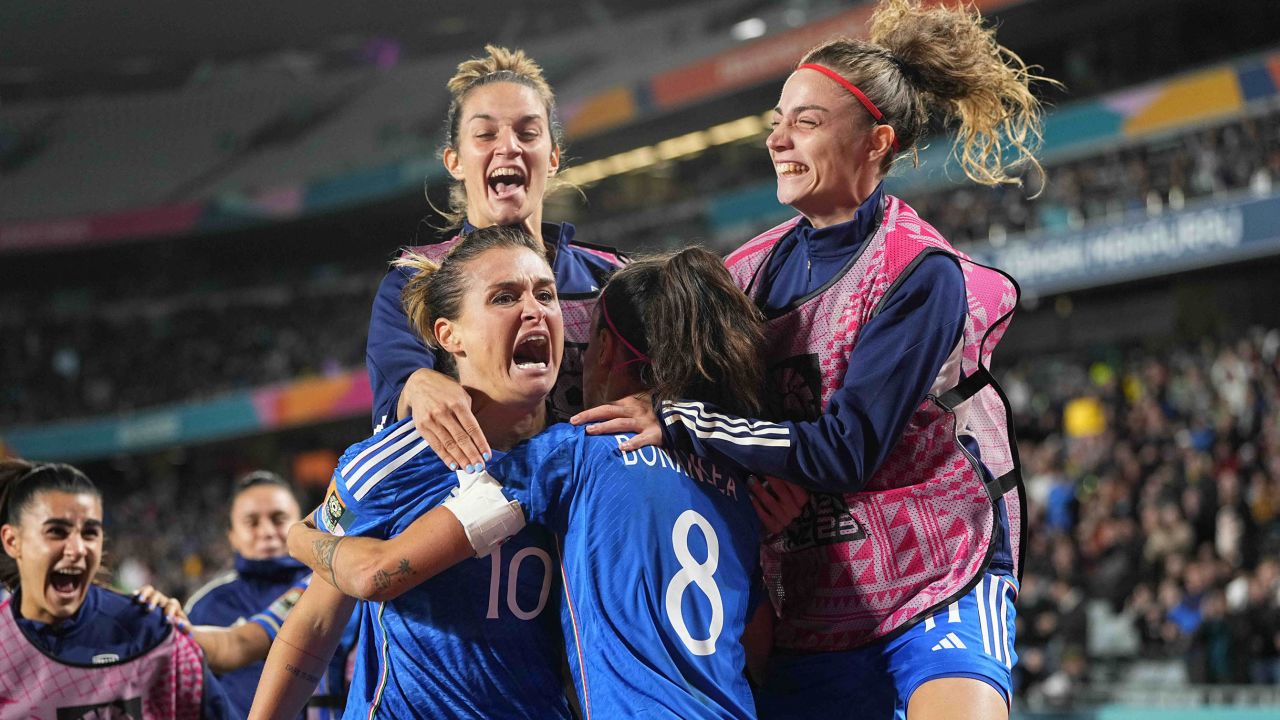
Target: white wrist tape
487,516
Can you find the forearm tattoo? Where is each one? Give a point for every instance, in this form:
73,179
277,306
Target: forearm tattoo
325,549
298,672
382,579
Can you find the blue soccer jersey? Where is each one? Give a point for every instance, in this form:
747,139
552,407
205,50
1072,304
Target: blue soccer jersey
659,561
477,640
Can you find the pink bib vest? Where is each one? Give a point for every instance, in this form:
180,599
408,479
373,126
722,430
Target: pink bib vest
577,311
165,683
859,567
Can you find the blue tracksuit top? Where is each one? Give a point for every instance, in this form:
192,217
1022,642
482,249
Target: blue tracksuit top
236,596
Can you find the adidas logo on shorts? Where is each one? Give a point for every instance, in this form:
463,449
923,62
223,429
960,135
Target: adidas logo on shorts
950,642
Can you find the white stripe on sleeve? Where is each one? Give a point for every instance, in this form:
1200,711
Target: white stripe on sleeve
737,440
374,447
388,469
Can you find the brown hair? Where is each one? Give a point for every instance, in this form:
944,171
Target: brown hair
499,65
943,59
20,482
436,289
701,335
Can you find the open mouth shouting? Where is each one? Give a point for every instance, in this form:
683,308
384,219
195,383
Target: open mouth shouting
67,584
507,183
532,352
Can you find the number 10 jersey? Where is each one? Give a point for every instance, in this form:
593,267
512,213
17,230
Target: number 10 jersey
477,640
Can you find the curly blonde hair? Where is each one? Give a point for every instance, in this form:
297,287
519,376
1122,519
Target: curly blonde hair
498,65
945,60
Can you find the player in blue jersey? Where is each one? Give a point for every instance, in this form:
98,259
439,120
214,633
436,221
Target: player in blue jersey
484,642
660,551
896,585
502,150
72,648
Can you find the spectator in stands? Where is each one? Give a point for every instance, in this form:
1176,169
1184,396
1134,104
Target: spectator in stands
502,150
72,647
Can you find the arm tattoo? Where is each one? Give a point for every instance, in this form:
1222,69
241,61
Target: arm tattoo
382,578
298,672
325,549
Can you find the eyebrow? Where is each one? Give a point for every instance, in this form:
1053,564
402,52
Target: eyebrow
802,108
487,116
59,522
509,284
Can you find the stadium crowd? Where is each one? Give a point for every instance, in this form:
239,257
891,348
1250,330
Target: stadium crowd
1154,486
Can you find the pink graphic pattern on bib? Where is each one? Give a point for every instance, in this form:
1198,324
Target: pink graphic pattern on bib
925,523
165,683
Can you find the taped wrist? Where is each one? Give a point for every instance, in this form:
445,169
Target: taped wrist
487,516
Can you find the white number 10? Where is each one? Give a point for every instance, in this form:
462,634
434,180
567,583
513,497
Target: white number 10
692,573
513,577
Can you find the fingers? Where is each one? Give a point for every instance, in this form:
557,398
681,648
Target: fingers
169,607
630,406
777,502
643,438
441,411
765,503
599,413
455,435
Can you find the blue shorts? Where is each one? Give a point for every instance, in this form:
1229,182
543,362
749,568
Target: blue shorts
972,638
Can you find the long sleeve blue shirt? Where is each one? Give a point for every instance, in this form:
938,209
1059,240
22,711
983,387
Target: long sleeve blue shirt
237,596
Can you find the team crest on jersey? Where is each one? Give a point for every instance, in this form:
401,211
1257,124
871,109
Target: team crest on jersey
795,388
337,517
825,520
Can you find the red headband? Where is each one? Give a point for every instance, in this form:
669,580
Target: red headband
604,312
862,98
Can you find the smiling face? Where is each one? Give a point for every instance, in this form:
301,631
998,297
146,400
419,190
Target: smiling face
508,338
260,520
504,155
58,548
822,149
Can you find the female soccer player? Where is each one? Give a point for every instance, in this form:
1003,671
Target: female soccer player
71,647
897,583
660,552
502,150
476,644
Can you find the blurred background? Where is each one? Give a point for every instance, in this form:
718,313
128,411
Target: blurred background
197,201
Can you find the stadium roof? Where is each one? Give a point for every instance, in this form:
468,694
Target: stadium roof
64,39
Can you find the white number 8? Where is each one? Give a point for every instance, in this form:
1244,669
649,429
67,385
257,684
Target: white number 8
699,574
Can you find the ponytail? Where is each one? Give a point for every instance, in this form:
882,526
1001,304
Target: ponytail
943,60
701,336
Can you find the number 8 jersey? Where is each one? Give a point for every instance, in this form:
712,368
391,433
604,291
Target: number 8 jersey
477,640
659,561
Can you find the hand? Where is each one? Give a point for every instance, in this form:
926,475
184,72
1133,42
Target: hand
633,414
441,410
777,502
170,607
